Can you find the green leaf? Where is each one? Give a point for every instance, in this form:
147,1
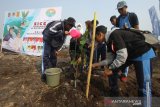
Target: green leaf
73,62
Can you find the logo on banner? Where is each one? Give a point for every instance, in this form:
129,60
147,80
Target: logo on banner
50,12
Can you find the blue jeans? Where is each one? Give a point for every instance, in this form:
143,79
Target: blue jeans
49,57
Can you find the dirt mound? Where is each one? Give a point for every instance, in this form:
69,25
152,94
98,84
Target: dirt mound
21,85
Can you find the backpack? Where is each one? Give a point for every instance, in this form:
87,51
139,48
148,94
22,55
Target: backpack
48,27
47,34
148,37
130,18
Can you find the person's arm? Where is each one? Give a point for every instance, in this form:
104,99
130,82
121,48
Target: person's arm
121,51
135,21
109,59
121,57
56,30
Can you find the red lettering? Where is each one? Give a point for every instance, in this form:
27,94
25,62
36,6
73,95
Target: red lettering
40,23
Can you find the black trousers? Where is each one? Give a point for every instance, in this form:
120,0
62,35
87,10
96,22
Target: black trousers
101,51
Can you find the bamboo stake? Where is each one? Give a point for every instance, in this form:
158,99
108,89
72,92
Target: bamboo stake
91,56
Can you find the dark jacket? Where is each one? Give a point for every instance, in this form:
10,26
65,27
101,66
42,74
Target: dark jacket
126,45
54,34
74,44
134,43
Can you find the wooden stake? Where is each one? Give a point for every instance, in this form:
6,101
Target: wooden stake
91,56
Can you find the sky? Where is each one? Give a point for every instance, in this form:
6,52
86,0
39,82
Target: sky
83,10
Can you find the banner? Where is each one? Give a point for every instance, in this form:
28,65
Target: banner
155,21
23,29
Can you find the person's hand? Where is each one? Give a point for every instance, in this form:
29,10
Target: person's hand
95,65
90,45
66,33
56,53
79,60
107,73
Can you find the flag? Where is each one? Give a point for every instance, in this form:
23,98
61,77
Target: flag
159,5
154,21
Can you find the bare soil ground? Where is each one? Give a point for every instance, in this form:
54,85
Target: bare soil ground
21,86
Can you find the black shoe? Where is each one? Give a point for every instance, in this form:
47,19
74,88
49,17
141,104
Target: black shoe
43,78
